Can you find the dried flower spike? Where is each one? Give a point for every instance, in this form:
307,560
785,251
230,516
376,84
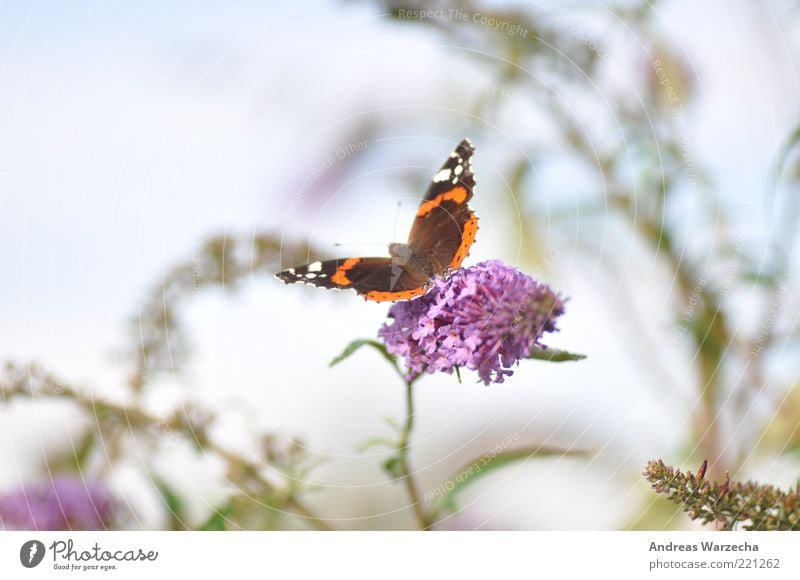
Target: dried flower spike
732,504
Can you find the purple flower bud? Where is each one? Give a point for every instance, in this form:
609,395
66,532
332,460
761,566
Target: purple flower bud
65,503
485,318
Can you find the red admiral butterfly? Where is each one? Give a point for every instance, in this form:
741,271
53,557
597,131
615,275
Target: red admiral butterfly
440,239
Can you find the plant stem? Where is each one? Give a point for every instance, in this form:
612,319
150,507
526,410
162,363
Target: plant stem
402,454
114,419
307,516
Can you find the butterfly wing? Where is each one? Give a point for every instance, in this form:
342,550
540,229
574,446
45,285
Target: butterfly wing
378,279
444,227
441,236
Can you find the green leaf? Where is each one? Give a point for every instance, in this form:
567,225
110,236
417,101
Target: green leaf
394,467
101,410
555,355
75,459
218,520
792,140
83,449
376,442
764,278
486,464
173,503
379,346
356,344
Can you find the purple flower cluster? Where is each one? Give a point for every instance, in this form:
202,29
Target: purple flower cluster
484,318
65,503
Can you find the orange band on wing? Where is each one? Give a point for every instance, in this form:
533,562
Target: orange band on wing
457,194
392,296
467,237
340,277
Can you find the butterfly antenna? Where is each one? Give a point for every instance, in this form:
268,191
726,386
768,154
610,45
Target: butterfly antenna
337,244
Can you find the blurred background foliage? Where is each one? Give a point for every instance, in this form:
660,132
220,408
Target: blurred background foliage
599,165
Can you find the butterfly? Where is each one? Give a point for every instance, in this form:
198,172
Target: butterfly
443,231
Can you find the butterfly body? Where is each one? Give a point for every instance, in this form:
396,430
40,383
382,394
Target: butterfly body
443,231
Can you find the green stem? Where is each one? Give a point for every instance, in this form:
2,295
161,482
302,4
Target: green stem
403,448
307,516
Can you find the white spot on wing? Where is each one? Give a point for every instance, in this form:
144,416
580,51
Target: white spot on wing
311,276
290,270
315,267
458,169
443,175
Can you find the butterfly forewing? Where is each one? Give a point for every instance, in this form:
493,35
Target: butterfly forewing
456,170
445,226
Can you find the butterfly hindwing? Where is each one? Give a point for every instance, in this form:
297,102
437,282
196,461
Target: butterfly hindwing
378,279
